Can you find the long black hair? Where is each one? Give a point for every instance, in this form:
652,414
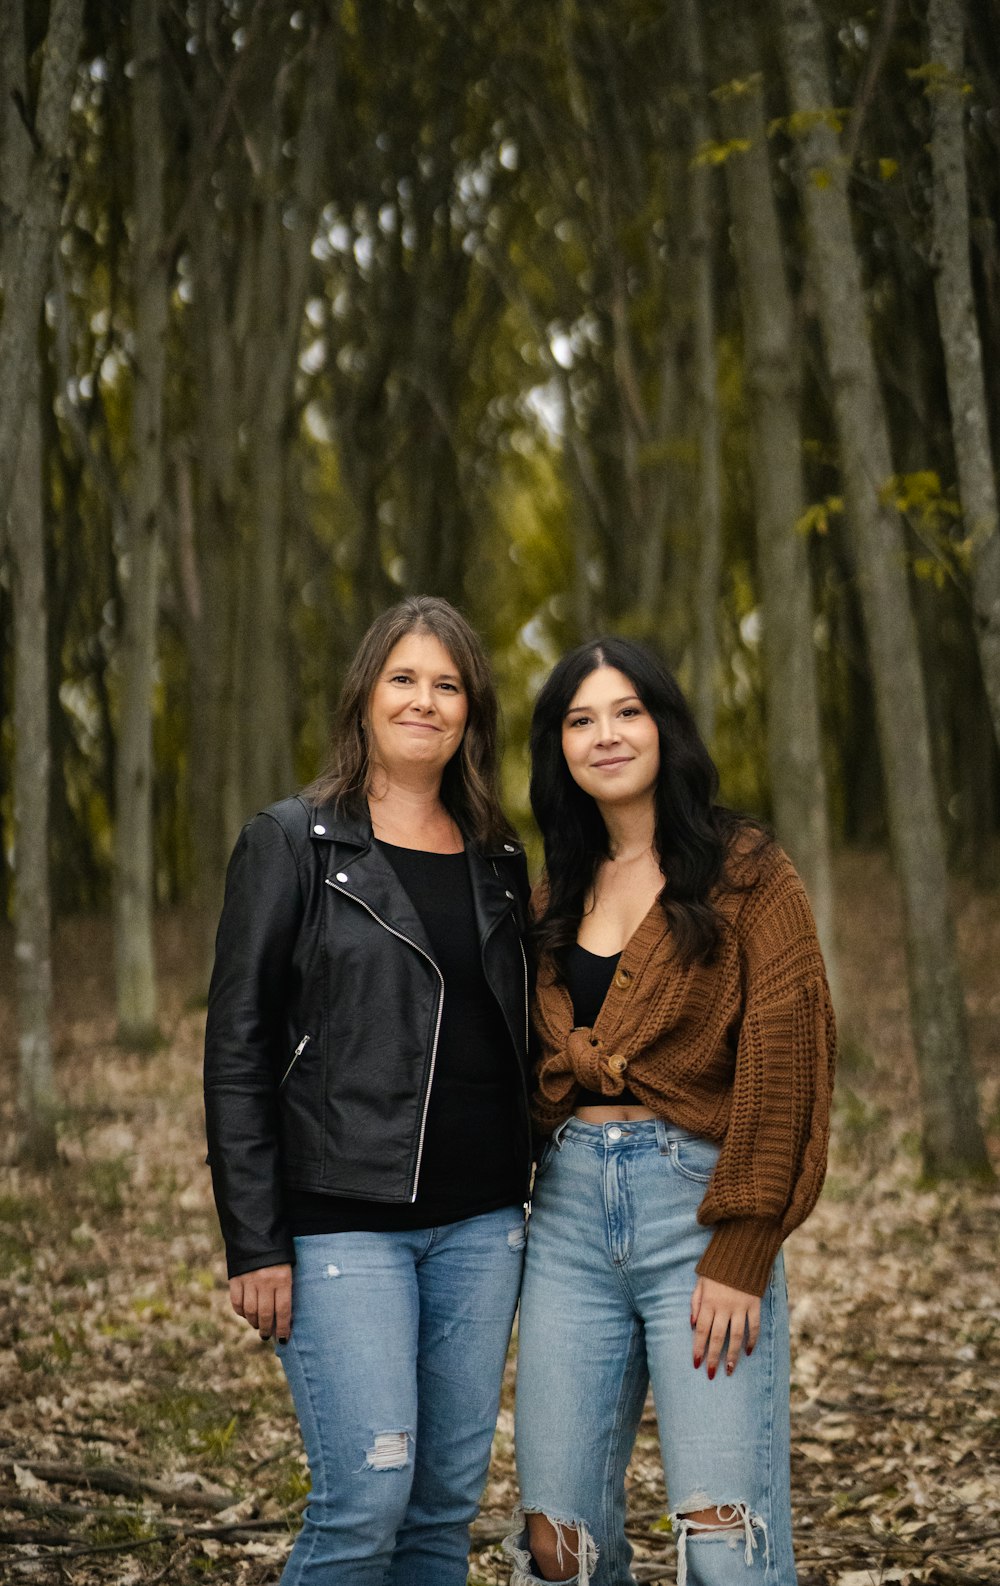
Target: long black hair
693,834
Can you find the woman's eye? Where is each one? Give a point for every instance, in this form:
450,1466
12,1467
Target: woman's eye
400,677
580,721
451,688
630,710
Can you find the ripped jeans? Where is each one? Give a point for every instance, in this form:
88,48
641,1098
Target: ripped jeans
613,1242
395,1361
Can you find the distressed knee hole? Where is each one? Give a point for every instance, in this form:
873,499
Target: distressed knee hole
550,1550
714,1519
726,1523
390,1451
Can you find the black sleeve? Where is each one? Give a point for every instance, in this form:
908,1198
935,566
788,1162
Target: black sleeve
257,933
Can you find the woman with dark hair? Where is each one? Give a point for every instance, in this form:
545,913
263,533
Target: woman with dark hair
686,1053
366,1102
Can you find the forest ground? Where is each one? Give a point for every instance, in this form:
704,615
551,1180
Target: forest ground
146,1435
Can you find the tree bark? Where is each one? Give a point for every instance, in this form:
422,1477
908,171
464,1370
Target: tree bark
708,510
25,526
32,898
133,884
963,355
209,588
794,736
952,1137
284,241
26,266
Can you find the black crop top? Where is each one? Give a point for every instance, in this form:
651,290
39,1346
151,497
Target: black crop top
588,978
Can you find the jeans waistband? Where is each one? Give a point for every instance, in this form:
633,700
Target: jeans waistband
641,1134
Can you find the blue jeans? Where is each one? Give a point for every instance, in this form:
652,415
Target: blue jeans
395,1361
613,1242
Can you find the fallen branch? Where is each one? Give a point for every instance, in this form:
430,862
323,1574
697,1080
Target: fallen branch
112,1478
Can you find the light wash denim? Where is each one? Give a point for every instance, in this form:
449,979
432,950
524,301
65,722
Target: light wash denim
395,1361
613,1242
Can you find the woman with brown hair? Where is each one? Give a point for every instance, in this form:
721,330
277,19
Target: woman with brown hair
366,1103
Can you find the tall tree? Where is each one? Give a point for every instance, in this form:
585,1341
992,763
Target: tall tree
280,231
952,1136
773,374
133,884
27,262
26,530
708,516
960,336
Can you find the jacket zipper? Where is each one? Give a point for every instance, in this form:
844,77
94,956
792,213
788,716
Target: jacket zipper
295,1057
437,1028
527,1034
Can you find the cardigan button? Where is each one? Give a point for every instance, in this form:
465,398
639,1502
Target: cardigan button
622,977
617,1065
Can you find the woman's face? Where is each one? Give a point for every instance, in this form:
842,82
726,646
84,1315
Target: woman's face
609,739
418,707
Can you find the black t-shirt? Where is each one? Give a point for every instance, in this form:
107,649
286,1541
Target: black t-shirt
588,977
469,1164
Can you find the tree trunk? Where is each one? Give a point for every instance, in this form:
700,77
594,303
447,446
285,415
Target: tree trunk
794,736
952,1137
32,906
960,337
284,242
134,890
36,1095
27,260
708,511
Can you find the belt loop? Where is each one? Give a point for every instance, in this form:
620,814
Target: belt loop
662,1137
557,1134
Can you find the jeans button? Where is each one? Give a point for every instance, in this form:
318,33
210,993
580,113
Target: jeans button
614,1133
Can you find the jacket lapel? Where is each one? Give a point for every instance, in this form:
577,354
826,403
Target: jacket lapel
492,900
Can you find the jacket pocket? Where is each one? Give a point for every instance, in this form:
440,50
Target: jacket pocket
295,1057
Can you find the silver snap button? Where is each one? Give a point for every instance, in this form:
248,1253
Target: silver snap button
509,848
341,875
320,831
510,895
614,1133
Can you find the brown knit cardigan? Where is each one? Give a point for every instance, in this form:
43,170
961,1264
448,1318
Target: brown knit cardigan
740,1050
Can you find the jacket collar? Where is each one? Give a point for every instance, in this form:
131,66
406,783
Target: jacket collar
367,875
329,824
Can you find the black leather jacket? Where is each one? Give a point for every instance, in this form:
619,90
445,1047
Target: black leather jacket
323,1018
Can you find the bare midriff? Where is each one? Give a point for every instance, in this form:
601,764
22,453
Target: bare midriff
613,1114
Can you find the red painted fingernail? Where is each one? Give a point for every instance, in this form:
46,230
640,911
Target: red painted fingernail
693,1322
749,1350
711,1373
730,1367
697,1362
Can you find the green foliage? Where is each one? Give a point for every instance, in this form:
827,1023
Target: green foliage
714,153
816,518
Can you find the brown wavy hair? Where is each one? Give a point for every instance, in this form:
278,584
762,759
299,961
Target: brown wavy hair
469,786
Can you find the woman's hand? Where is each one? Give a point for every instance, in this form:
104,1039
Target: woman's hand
715,1310
264,1299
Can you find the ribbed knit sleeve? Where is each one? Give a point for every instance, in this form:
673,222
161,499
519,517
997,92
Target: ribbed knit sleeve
773,1154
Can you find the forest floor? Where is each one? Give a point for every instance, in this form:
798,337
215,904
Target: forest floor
146,1435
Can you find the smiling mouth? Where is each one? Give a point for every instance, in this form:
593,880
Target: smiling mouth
600,765
422,726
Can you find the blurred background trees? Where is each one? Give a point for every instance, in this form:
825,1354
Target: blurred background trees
679,318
